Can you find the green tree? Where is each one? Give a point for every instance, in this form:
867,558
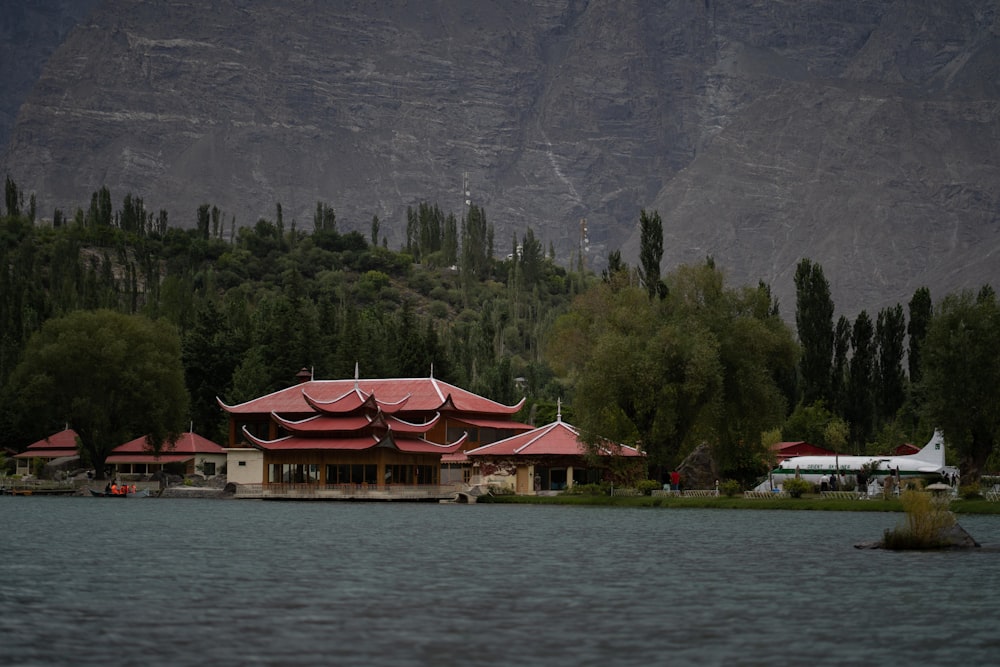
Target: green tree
838,374
701,365
809,423
961,377
861,375
890,381
14,198
111,377
477,244
921,311
617,272
651,252
814,322
325,219
210,356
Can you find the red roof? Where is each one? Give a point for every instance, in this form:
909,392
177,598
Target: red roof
56,445
785,450
324,423
490,423
421,395
557,438
188,443
411,445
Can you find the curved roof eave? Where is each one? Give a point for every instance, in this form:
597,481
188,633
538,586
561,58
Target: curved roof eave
427,424
449,403
260,443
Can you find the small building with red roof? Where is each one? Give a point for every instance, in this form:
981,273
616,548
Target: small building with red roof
190,453
786,450
360,435
61,445
548,458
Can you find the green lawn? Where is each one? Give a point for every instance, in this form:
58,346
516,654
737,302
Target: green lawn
807,502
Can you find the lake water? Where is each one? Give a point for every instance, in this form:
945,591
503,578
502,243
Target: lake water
97,581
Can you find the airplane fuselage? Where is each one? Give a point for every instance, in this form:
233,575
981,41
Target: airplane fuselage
928,461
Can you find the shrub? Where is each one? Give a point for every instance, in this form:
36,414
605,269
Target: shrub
647,486
926,517
970,492
587,490
729,487
796,487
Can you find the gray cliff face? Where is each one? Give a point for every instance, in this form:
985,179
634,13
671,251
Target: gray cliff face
862,135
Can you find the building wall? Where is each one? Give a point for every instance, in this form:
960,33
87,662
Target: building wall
244,466
216,461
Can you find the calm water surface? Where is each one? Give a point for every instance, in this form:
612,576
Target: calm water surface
95,581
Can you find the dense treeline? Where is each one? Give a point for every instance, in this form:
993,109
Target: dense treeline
663,362
255,304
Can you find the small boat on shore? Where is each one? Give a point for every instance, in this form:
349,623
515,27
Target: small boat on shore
141,493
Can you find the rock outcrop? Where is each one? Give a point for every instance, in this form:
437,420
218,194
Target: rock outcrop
698,469
863,135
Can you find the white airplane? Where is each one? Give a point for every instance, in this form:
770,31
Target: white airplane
928,461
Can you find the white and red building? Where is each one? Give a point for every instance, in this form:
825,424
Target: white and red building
189,454
549,458
352,437
57,447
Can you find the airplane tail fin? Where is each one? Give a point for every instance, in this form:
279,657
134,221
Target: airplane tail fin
933,451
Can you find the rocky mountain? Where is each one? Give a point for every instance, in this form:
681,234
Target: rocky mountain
860,134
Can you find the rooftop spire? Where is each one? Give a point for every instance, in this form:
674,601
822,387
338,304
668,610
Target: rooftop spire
558,409
355,375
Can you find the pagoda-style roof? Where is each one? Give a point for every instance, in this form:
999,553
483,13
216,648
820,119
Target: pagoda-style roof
54,446
359,443
331,425
555,439
420,395
182,449
352,401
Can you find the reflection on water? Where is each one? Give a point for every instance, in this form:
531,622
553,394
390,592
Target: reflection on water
190,582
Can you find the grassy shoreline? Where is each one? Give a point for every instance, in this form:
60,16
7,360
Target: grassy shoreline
807,502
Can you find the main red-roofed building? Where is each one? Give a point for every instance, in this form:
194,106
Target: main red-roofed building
361,435
548,458
61,445
190,453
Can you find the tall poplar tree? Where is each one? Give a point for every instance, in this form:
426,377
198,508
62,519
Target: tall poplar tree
890,382
921,311
860,397
651,252
814,322
838,376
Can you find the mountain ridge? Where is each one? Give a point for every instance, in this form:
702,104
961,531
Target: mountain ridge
862,136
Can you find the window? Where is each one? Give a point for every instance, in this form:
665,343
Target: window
297,473
351,474
209,468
